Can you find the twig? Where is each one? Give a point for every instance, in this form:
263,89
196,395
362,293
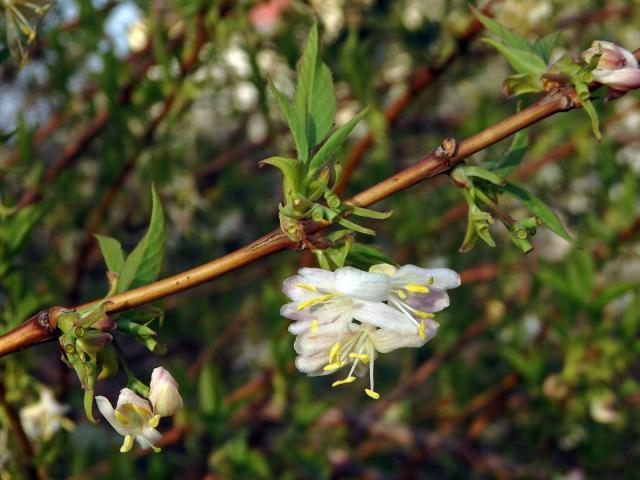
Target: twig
440,160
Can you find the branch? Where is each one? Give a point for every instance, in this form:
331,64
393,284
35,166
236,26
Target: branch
440,160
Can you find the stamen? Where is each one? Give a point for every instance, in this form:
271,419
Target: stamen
333,366
121,417
349,379
155,420
314,325
306,286
372,394
360,356
333,353
421,314
313,301
415,288
431,281
421,330
127,444
400,294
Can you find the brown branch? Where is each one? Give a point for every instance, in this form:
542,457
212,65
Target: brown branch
440,160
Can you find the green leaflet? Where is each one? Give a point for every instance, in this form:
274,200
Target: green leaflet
290,169
111,252
510,38
296,123
514,156
315,100
143,263
332,144
522,61
538,208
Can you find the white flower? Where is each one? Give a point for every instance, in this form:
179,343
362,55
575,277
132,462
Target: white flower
163,393
340,317
358,346
132,418
419,292
617,67
44,418
326,302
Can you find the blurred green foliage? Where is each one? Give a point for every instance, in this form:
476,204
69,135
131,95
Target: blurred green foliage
533,373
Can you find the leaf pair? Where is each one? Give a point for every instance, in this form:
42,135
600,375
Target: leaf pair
528,59
143,264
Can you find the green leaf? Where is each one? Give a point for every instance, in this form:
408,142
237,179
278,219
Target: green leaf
111,252
143,264
512,39
521,83
295,122
543,46
522,61
290,169
483,173
367,213
333,143
355,227
538,208
514,156
582,90
611,292
18,226
315,97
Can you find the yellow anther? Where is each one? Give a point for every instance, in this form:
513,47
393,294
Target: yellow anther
372,394
342,382
155,420
141,411
421,314
363,357
306,286
421,329
431,281
127,444
332,366
122,418
314,325
333,353
313,301
415,288
400,294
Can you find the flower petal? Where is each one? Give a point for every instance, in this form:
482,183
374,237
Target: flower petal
311,364
382,315
291,289
431,302
109,414
443,278
623,79
129,396
338,310
356,283
386,341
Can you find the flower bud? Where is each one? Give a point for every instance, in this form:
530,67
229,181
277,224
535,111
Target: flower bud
163,393
617,67
92,342
105,322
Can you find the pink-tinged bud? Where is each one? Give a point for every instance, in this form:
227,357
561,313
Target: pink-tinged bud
105,322
265,15
92,342
617,67
163,393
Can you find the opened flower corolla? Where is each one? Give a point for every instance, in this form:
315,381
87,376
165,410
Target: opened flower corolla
617,67
347,317
132,418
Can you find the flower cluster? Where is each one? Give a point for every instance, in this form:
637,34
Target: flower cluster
41,420
136,418
348,316
616,67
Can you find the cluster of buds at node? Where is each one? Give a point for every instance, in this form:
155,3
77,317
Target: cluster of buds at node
616,67
136,418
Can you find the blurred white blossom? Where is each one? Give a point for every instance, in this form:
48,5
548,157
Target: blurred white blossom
41,420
